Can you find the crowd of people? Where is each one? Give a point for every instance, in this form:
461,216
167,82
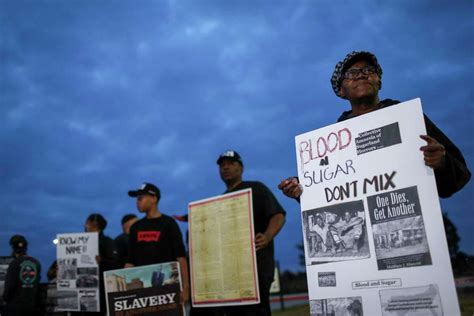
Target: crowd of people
357,78
157,238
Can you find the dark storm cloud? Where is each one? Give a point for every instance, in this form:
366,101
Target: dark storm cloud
98,96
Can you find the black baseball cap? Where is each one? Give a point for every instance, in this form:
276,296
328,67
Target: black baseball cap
229,155
18,242
146,188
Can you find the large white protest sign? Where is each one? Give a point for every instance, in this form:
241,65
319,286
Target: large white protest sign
372,224
78,272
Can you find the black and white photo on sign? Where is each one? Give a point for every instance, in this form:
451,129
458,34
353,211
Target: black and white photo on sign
65,284
341,306
398,229
67,300
67,269
87,281
326,279
88,300
400,238
87,259
51,304
88,270
336,233
87,277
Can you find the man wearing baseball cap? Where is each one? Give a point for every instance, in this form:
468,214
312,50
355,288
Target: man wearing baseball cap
21,291
268,216
358,79
156,238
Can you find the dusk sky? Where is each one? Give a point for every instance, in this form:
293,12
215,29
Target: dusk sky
97,97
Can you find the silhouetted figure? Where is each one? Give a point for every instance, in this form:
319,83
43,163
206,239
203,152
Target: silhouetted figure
21,292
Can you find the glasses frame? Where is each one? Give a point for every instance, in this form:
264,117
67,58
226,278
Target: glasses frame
354,73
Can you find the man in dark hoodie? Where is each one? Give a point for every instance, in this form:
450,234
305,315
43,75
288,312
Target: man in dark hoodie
108,258
358,79
22,281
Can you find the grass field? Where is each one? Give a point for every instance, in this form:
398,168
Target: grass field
467,304
293,311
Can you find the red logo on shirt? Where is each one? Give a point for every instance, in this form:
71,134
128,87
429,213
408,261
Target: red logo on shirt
149,236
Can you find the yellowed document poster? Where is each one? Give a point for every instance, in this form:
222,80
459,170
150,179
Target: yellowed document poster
222,251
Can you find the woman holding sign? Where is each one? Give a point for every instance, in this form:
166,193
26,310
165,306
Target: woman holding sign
358,79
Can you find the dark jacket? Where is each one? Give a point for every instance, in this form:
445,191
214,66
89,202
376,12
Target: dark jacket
122,246
109,260
108,251
455,174
21,292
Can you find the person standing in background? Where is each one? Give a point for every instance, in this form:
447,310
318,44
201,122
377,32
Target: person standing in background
268,217
21,291
108,258
122,240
